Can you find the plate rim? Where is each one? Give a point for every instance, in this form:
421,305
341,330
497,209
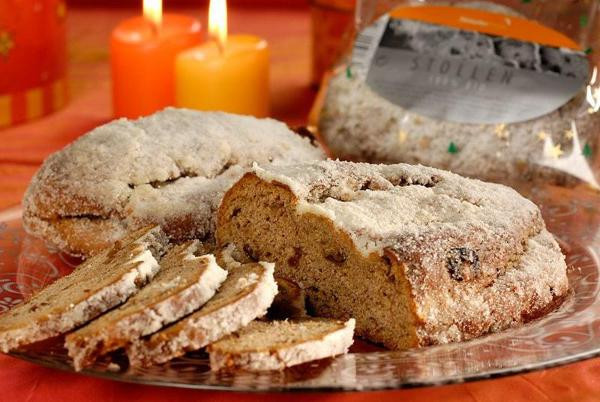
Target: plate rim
496,374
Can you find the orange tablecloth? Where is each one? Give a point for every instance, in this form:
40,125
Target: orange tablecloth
23,148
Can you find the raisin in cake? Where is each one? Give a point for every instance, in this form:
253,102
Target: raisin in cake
417,255
170,168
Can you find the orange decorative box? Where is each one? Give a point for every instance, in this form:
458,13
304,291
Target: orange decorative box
32,59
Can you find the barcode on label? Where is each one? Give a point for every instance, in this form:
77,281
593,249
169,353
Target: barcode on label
366,43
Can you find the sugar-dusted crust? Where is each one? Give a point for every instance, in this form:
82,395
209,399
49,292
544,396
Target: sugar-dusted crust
170,168
475,256
99,284
359,125
283,344
184,283
528,289
418,212
244,296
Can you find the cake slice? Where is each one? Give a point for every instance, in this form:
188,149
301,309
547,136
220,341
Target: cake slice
276,345
97,285
244,296
418,256
184,283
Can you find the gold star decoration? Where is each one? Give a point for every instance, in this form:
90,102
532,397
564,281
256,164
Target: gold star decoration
556,151
6,43
542,135
501,131
402,136
569,134
61,10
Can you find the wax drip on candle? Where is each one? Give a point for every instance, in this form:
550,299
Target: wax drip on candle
217,22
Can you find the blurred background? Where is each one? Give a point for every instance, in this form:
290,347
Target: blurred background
304,38
55,66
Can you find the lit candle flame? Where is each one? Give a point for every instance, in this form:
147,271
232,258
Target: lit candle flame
217,21
153,11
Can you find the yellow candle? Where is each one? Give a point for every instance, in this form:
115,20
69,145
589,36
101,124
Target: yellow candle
232,79
229,73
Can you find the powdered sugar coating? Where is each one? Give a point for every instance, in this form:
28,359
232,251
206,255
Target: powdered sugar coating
170,168
529,288
477,255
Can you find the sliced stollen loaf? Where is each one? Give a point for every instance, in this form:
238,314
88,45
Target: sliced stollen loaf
95,286
276,345
417,255
184,283
171,168
244,296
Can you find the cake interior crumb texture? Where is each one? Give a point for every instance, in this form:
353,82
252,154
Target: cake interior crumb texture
265,336
276,345
304,248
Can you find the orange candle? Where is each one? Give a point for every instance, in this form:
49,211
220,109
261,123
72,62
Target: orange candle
230,73
143,51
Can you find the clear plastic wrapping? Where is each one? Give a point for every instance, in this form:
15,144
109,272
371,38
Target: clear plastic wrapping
499,90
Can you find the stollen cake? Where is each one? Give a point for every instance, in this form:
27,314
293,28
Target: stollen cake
276,345
97,285
183,284
419,256
359,125
170,168
244,296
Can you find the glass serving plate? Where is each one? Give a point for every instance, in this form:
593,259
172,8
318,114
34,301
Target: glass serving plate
569,334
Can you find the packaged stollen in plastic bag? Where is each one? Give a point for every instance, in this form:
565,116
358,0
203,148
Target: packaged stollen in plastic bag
506,91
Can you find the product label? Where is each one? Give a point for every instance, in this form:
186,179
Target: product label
469,66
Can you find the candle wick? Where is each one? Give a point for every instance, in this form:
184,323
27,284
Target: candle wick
220,45
154,27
